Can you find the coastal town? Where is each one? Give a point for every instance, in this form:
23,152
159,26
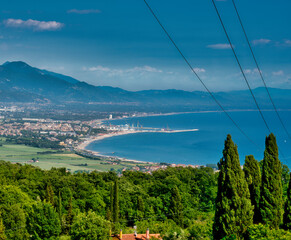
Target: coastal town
75,135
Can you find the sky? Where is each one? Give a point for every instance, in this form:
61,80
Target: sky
119,43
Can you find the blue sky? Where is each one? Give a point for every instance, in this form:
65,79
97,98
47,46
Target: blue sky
118,43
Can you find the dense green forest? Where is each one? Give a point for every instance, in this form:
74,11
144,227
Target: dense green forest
179,203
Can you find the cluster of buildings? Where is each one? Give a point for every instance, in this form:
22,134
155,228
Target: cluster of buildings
10,129
185,165
154,167
67,133
43,126
148,168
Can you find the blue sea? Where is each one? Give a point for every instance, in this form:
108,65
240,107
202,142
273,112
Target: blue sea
201,147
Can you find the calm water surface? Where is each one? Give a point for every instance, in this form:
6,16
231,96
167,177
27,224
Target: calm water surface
201,147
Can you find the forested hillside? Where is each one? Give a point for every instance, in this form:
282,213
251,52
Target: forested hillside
178,203
47,204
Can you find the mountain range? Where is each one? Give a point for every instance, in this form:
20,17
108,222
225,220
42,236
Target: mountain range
20,82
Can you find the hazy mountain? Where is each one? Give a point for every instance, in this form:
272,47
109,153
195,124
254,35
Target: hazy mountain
20,82
61,76
55,87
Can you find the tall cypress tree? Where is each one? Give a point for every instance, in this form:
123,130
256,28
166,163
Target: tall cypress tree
50,194
115,203
271,200
69,216
176,207
140,204
60,208
287,212
234,212
253,176
111,199
109,210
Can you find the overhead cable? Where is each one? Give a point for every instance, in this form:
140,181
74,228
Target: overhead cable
240,67
259,70
196,74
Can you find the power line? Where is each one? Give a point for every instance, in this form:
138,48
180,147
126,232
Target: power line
196,74
240,67
201,81
238,62
259,70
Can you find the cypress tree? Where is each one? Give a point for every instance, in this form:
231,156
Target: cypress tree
50,194
69,217
140,204
287,212
253,176
176,207
111,200
271,200
115,203
140,207
109,210
60,208
234,212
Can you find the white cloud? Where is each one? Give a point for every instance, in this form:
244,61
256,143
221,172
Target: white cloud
144,69
33,24
261,41
114,71
220,46
278,73
84,11
199,70
283,43
98,68
251,71
248,71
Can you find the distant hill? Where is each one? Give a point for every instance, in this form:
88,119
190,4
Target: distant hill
20,82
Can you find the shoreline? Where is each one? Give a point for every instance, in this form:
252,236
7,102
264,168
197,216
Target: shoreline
84,144
88,141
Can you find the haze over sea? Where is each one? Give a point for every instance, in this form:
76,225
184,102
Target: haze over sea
200,147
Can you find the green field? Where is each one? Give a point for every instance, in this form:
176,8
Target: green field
24,155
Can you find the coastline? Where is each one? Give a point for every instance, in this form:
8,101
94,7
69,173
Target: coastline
83,145
86,141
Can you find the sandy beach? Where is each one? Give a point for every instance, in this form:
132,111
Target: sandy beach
83,145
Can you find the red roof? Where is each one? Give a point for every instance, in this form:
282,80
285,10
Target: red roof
138,236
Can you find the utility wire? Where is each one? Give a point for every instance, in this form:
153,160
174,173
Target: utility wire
238,62
259,70
201,81
240,67
196,74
